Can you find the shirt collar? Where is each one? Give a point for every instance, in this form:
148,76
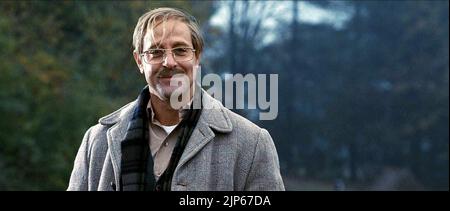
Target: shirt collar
151,114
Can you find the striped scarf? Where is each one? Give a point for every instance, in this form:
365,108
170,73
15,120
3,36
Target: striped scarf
137,162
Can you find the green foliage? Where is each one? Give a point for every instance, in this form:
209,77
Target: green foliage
64,65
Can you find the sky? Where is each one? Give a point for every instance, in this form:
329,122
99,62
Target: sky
281,11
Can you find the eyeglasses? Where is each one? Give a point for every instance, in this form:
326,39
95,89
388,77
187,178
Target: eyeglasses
157,56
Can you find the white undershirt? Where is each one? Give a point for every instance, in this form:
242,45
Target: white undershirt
169,129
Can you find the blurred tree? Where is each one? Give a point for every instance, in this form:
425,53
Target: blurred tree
356,98
397,88
64,65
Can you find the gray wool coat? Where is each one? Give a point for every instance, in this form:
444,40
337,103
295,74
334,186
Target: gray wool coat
226,152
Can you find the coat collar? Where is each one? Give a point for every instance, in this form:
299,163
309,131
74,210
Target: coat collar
213,118
213,115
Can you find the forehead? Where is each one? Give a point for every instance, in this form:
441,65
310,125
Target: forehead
168,34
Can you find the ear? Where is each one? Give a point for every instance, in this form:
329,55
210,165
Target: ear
138,60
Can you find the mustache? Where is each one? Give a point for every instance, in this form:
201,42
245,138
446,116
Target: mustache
166,72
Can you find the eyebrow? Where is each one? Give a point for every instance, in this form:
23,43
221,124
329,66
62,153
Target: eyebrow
176,44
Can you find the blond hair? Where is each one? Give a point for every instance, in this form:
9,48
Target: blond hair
160,15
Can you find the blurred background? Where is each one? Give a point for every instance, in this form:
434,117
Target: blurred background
363,85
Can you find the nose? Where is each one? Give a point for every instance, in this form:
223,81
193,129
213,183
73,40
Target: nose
169,60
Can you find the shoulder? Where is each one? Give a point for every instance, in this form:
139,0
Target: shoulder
118,115
112,118
248,134
98,131
241,124
244,132
223,120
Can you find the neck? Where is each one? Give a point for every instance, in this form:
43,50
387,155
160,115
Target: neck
164,113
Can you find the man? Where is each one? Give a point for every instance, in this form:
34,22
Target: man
158,143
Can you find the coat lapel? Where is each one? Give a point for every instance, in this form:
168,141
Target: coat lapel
116,134
213,118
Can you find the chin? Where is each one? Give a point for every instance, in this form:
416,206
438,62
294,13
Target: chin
165,91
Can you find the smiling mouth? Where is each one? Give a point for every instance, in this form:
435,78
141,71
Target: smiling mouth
166,80
172,80
170,75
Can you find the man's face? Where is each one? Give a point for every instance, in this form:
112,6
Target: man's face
158,76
